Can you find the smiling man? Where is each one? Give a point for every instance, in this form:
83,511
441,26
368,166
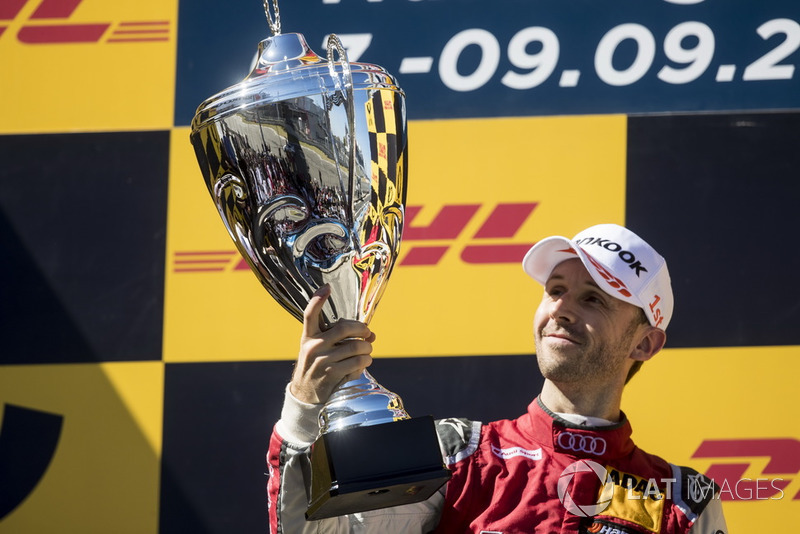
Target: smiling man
604,312
569,464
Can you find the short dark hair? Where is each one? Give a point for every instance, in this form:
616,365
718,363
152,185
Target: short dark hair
640,319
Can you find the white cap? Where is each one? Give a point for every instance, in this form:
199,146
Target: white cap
620,262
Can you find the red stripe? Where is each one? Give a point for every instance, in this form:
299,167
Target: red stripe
55,9
146,23
610,279
276,457
62,33
138,40
204,253
216,270
2,29
11,8
185,262
127,32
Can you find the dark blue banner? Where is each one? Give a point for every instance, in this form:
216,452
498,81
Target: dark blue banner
469,58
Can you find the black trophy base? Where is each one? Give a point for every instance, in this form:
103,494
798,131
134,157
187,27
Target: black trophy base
371,467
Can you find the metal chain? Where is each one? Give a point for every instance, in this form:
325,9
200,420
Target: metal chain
274,24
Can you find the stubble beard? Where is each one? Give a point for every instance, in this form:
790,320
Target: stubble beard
597,361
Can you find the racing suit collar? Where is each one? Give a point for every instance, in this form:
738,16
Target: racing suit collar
579,441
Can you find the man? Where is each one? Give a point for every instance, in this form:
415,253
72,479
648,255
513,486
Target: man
569,464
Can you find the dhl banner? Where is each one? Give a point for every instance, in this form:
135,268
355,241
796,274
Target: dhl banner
87,65
461,247
142,365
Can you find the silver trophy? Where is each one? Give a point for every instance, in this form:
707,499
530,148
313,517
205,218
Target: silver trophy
305,160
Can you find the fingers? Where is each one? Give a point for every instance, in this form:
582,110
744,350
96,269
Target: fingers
344,340
328,356
323,365
342,350
346,358
317,385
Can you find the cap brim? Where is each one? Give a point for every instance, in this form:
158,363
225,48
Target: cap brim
542,258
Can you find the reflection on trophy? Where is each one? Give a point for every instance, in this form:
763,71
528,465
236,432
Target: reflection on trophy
305,160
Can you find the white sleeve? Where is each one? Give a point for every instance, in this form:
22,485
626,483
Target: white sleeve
299,422
711,521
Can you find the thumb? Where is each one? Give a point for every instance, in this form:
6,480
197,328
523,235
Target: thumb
313,312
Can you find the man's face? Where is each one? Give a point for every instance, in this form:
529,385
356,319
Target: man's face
581,333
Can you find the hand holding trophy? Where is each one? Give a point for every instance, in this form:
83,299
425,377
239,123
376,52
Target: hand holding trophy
305,160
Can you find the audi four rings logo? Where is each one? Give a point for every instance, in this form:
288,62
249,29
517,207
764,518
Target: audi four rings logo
581,443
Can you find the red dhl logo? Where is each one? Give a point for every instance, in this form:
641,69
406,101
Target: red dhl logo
502,224
50,23
781,468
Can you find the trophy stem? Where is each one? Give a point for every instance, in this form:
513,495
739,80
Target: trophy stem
360,402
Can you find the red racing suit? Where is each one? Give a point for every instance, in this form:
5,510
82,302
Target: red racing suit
535,474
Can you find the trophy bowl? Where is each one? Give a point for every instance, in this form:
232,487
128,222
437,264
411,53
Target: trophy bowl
305,160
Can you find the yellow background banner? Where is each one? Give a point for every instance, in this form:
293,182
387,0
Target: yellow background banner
128,441
217,311
735,398
98,66
104,474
